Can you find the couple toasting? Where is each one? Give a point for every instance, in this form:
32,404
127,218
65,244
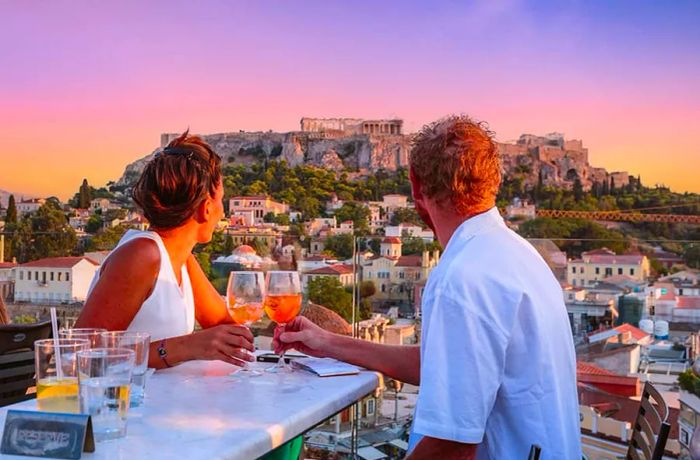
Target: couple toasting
496,365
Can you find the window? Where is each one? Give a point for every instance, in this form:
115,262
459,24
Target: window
402,275
680,291
597,270
383,287
582,268
67,276
608,271
60,276
619,271
631,271
687,415
21,275
573,269
371,404
573,282
36,276
51,276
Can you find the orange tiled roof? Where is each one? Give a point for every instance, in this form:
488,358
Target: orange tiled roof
391,240
689,302
338,269
636,333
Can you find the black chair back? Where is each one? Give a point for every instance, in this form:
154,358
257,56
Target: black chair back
535,452
651,427
17,359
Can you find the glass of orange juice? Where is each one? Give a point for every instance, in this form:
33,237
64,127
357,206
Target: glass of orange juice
58,391
282,304
244,299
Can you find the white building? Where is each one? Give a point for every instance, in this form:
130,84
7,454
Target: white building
603,263
260,205
520,209
102,205
54,280
341,272
30,206
7,280
402,230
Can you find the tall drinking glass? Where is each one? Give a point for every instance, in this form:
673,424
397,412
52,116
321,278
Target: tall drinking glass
92,334
139,343
244,298
57,392
105,378
282,304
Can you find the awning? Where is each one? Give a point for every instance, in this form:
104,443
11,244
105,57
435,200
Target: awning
400,444
370,453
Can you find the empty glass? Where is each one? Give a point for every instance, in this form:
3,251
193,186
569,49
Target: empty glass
57,392
139,343
105,382
92,334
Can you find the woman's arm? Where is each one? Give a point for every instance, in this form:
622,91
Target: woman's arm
210,308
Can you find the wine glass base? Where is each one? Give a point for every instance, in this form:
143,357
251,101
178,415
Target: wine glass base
280,369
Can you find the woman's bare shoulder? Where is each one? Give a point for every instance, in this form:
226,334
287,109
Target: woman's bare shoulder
139,257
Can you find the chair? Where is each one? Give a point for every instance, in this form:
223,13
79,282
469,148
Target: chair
651,427
535,452
17,359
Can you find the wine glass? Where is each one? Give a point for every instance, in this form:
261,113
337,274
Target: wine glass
282,304
244,298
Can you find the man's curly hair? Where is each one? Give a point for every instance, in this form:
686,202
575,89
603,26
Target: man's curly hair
456,161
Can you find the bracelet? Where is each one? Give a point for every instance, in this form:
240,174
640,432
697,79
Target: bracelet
163,353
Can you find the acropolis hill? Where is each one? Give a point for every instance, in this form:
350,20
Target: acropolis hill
365,146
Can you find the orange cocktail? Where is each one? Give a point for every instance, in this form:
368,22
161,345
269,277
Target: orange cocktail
282,308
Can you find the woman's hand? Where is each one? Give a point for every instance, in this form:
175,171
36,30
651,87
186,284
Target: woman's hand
227,342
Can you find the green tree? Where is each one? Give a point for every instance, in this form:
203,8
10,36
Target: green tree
94,224
408,216
365,309
356,212
269,217
112,214
84,195
329,292
204,261
578,190
340,245
261,247
46,233
367,289
229,245
11,215
692,256
282,219
106,239
412,245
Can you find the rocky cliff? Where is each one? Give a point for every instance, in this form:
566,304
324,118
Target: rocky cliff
360,152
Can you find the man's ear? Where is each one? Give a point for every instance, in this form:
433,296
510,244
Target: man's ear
415,185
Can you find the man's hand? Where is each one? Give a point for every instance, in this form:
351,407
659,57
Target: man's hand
302,335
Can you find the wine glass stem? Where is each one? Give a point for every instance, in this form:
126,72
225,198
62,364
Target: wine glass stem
281,362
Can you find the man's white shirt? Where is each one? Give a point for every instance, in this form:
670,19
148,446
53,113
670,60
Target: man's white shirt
498,366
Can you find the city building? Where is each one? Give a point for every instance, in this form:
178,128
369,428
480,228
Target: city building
520,209
351,126
404,230
103,205
342,272
603,263
29,206
261,205
688,421
54,280
7,280
395,275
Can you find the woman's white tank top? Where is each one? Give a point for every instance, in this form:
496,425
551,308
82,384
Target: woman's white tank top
169,310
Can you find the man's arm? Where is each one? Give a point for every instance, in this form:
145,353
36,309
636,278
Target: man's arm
398,362
429,448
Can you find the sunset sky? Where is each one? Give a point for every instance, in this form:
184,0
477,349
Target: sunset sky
87,87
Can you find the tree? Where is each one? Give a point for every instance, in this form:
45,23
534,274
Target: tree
356,212
229,245
204,262
692,256
612,185
408,216
11,215
578,190
340,245
106,239
94,224
367,289
261,247
412,245
330,293
84,195
365,309
46,233
269,217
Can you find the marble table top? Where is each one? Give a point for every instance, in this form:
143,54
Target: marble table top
197,410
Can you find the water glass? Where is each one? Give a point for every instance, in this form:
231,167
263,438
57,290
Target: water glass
139,343
57,392
92,334
105,381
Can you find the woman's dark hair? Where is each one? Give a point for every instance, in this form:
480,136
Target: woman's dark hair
177,180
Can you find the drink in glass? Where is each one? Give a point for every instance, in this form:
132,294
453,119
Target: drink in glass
57,391
282,304
105,382
139,343
244,298
92,334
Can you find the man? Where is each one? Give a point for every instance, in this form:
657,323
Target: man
496,364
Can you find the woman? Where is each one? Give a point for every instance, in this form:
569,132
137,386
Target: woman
152,283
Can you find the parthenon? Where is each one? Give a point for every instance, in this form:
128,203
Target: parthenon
350,126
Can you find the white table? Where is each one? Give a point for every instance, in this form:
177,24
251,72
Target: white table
198,411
